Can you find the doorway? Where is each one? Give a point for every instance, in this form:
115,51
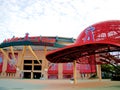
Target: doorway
27,75
36,75
32,69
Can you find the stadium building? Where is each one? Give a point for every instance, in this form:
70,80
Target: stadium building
24,57
44,57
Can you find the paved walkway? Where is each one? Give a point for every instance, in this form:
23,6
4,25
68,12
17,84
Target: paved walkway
27,84
14,84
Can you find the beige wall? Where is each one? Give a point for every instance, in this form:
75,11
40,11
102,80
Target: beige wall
29,56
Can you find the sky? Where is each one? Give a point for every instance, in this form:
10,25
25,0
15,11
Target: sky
64,18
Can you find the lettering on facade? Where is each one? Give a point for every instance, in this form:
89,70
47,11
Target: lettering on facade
35,40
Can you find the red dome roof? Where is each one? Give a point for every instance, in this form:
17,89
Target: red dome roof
98,38
107,31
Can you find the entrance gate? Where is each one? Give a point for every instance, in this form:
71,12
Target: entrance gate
32,69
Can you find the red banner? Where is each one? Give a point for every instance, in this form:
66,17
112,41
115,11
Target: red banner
67,68
89,65
53,69
12,63
1,61
87,68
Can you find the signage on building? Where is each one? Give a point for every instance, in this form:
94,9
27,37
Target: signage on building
12,63
36,40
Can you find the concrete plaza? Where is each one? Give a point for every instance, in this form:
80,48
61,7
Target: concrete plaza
27,84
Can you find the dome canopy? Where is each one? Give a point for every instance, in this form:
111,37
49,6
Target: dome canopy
107,31
98,38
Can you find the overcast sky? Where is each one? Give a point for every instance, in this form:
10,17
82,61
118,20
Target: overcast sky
66,18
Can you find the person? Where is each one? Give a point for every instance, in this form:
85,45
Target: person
21,74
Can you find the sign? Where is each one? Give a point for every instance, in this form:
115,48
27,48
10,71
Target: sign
53,69
32,39
67,68
12,63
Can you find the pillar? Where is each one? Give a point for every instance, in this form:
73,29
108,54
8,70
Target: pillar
60,70
99,72
32,76
45,66
74,71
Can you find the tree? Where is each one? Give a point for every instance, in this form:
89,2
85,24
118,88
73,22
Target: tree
108,70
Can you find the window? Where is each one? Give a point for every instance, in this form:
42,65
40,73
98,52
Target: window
36,61
27,61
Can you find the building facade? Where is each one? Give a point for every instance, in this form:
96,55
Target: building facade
24,57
